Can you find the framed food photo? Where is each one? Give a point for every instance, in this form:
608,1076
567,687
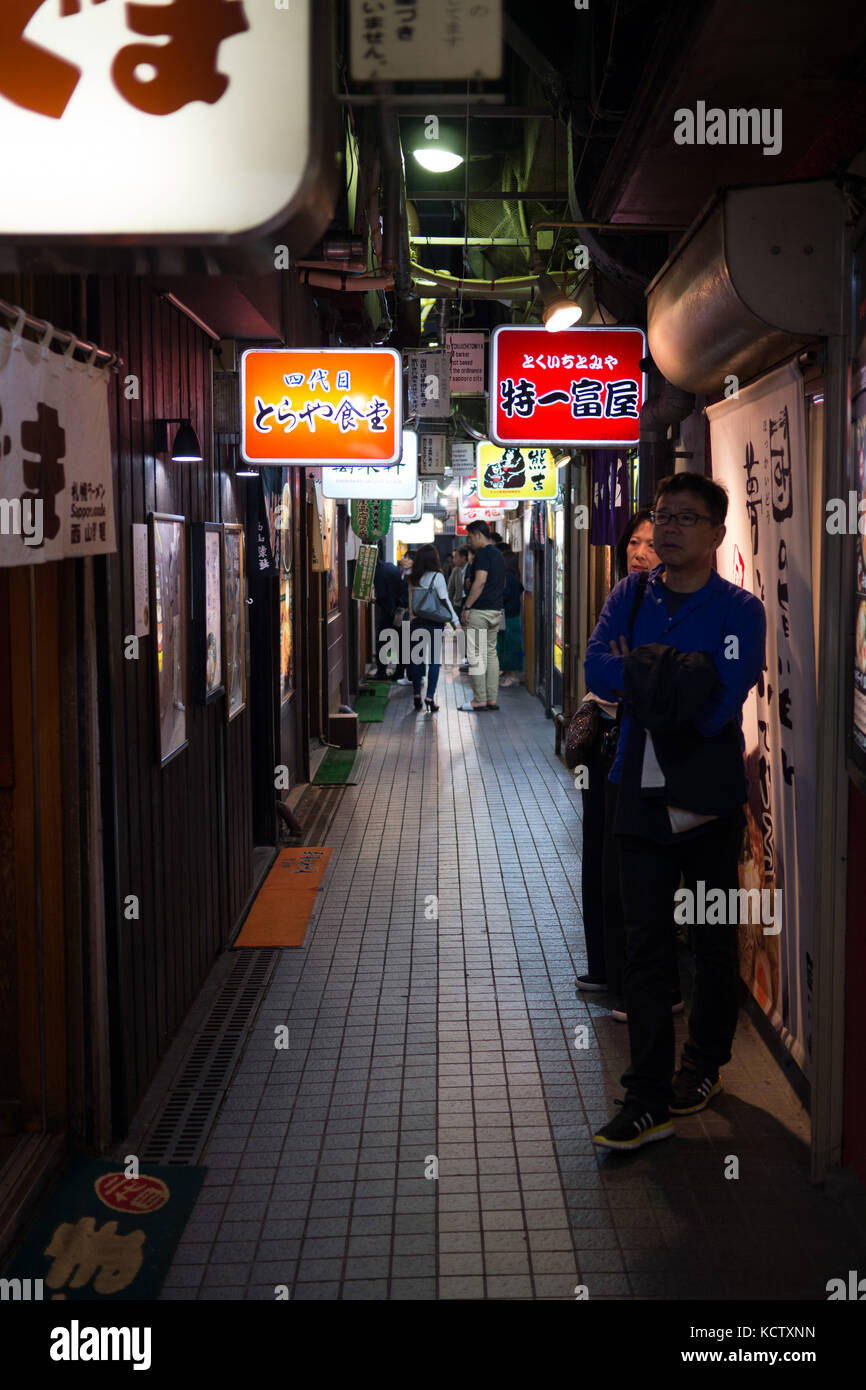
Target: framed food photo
206,550
234,619
169,607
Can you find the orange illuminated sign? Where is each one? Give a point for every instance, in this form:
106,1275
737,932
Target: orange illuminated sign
321,406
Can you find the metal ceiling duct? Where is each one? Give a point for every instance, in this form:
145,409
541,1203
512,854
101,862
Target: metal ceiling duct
754,279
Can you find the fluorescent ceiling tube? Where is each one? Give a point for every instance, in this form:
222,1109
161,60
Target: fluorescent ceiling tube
559,311
437,160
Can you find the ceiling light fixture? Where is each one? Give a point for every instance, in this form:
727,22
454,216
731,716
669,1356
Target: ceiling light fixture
559,311
185,448
437,160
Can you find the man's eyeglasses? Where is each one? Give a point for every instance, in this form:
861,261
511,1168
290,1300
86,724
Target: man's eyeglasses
681,518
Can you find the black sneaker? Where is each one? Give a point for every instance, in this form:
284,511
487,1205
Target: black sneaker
692,1092
619,1013
590,982
634,1126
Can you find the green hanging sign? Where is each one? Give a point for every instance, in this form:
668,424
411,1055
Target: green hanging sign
365,569
370,519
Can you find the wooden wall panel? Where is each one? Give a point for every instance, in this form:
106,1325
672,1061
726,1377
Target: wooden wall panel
184,838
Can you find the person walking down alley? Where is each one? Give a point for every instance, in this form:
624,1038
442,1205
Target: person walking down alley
481,615
664,646
390,589
430,609
455,578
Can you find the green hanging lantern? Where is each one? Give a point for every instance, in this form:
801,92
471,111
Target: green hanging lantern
370,519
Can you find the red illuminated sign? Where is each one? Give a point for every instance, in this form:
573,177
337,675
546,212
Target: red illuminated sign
582,386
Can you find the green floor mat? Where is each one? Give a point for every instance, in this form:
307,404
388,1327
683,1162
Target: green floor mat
340,767
370,709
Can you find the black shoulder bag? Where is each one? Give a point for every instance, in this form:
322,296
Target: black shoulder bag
610,740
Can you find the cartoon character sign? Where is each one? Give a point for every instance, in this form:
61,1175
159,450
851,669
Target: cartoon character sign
514,473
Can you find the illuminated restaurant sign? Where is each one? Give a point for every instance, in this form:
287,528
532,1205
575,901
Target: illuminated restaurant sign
471,508
515,473
145,120
322,406
375,483
581,386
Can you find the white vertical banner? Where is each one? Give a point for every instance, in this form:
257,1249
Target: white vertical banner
759,454
56,494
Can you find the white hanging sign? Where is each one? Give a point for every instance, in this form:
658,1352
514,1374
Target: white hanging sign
56,493
463,458
429,385
431,459
128,120
408,42
466,353
376,483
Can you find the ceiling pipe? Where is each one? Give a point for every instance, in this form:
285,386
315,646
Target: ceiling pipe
498,288
669,406
395,248
499,296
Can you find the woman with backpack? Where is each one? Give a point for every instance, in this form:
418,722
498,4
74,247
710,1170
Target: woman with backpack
430,609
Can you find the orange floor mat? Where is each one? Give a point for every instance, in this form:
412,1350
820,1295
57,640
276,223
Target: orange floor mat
285,901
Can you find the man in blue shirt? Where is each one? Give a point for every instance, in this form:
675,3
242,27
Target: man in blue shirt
681,649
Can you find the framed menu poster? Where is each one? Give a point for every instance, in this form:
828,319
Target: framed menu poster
234,619
206,548
169,608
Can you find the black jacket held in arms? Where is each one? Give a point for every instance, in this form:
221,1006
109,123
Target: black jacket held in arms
667,689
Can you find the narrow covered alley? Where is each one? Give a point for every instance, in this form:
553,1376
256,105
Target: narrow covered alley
426,1134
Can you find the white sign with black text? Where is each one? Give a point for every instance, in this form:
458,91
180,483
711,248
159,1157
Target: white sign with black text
399,481
56,491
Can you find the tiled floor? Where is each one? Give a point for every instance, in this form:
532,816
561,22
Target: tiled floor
427,1132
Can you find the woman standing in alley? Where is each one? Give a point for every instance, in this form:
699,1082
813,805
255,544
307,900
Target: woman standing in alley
430,609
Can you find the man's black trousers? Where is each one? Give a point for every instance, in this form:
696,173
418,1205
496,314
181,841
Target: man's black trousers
650,875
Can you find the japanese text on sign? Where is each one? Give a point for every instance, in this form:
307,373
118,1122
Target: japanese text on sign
407,40
321,406
591,393
189,86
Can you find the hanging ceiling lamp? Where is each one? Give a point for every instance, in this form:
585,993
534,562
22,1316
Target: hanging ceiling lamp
436,159
559,311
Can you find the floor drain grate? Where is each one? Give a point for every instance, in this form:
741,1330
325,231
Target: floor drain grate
185,1121
315,810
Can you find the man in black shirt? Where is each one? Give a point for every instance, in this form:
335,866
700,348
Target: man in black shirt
391,593
481,614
